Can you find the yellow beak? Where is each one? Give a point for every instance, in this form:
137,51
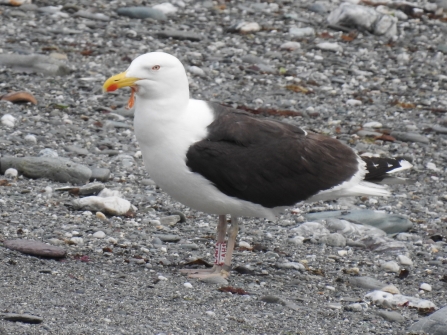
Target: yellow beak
118,81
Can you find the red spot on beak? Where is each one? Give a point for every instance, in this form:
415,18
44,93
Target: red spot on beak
112,88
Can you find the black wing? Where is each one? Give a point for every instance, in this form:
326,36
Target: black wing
379,167
268,162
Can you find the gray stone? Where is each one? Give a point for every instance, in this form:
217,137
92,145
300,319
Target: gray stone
367,283
77,150
334,240
55,168
142,13
91,188
434,324
35,63
179,35
409,137
100,174
170,220
35,248
391,316
168,237
26,318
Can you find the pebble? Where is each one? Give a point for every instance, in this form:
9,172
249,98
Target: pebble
247,27
291,265
215,280
391,266
435,323
210,313
372,124
57,169
11,174
425,287
354,307
77,240
187,285
25,318
366,282
391,316
166,8
35,63
180,35
142,13
334,240
302,32
48,153
168,237
290,46
110,205
170,220
404,260
8,120
35,248
330,46
99,234
92,16
409,137
100,174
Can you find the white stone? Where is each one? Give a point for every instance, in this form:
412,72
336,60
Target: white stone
31,138
109,205
197,71
426,287
99,234
8,120
11,173
432,166
302,32
404,260
166,8
342,252
391,266
162,278
244,244
249,27
112,240
291,265
77,240
353,102
330,46
290,46
372,124
187,285
210,313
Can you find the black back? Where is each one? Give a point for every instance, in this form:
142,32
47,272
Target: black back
268,162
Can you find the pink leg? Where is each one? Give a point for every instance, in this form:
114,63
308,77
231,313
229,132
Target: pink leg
223,267
221,231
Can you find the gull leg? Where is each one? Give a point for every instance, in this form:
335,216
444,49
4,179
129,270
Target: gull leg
220,246
224,257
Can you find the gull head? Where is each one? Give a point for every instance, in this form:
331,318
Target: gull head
152,76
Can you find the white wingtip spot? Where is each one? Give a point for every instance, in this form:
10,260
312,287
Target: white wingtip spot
404,165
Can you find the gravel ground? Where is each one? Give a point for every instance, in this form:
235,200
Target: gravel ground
381,94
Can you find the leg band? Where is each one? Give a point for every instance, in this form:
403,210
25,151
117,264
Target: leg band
219,253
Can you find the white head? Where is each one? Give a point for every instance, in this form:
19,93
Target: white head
153,76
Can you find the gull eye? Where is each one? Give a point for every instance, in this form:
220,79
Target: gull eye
156,67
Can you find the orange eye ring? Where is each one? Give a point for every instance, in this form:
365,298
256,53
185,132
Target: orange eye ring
156,67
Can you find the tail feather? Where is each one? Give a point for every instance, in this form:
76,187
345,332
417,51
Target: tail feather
380,167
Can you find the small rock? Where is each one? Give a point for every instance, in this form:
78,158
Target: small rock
426,287
391,266
334,240
215,280
166,8
391,316
142,13
11,174
404,260
92,16
110,205
100,174
302,32
57,169
367,283
48,153
434,324
168,237
31,139
170,220
35,63
77,240
35,248
99,234
354,307
291,265
290,46
330,46
187,285
409,137
26,318
372,124
8,120
77,150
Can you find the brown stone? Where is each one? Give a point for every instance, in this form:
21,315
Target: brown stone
35,248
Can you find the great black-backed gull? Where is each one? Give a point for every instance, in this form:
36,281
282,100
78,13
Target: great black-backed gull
222,161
